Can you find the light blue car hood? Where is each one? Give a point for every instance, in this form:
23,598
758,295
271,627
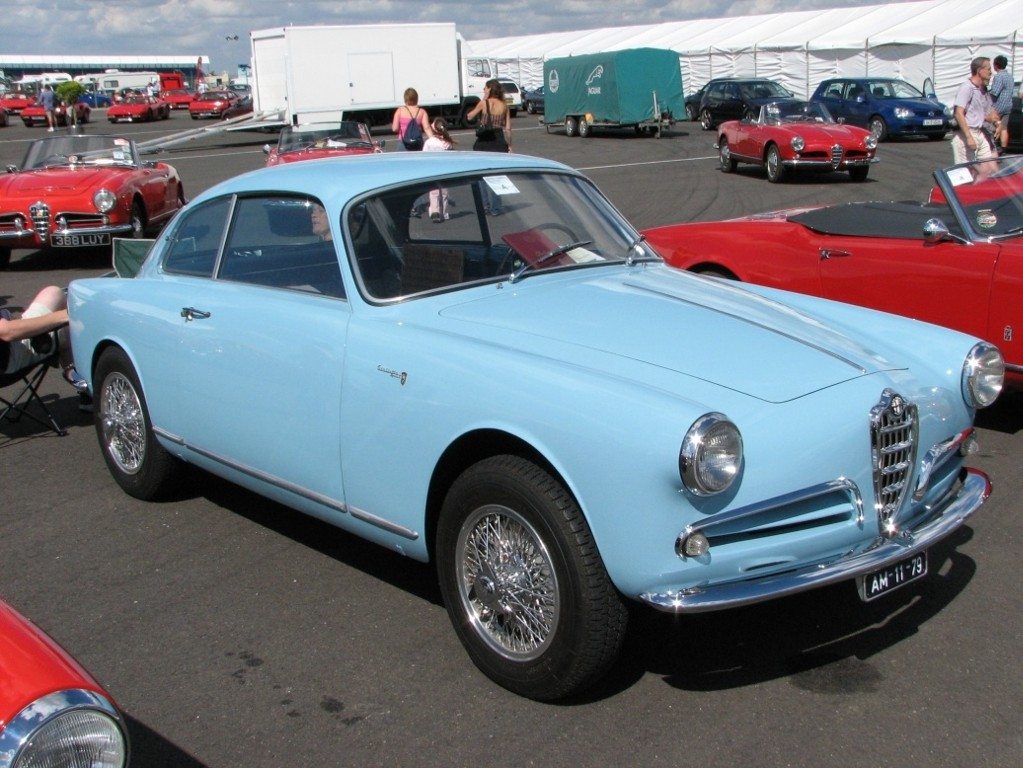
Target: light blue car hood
712,330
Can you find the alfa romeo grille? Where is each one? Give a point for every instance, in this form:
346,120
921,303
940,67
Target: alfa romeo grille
893,438
40,218
836,155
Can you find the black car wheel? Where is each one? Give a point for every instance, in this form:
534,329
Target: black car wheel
571,126
773,164
523,583
530,108
138,463
691,113
706,121
585,128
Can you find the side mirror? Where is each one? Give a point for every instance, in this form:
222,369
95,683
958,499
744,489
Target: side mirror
840,120
12,169
266,149
380,145
936,231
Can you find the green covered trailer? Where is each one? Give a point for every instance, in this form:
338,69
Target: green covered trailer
638,87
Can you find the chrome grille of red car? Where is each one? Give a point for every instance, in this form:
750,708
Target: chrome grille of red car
893,439
80,220
40,213
12,222
836,155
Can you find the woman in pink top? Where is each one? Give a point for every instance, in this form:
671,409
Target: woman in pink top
406,114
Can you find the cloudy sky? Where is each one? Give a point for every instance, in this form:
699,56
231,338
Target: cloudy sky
201,27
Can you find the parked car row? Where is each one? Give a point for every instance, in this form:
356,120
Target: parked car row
887,107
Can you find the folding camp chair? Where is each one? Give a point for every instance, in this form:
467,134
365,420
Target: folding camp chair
128,254
26,383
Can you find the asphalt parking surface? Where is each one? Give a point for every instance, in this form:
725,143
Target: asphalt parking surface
235,632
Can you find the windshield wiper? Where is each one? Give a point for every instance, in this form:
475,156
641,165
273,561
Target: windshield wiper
553,253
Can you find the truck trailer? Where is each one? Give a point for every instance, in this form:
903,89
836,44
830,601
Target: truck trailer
639,88
360,72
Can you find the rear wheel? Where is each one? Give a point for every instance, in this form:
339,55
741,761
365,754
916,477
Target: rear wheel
585,128
138,463
773,164
522,580
859,173
728,163
571,126
691,113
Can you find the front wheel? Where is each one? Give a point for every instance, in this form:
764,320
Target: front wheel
571,126
523,583
773,164
728,163
859,173
138,221
138,463
878,127
706,121
585,128
530,108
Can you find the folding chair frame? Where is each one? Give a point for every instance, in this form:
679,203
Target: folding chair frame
30,378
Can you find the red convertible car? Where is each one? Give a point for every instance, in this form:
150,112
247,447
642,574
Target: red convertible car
79,191
789,134
36,115
212,104
178,98
316,140
15,102
52,711
137,107
955,260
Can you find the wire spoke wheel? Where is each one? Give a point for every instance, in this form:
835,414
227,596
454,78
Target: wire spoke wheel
507,583
123,424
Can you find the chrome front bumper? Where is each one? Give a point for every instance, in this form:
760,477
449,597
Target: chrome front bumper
801,163
947,517
26,233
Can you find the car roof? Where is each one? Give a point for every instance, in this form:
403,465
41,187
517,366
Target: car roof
335,181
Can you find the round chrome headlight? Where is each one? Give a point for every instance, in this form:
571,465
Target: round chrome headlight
797,143
104,200
870,142
67,728
711,455
983,375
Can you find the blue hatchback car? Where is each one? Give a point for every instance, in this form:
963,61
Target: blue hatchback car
886,106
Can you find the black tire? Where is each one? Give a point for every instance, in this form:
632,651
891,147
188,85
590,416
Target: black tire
937,137
773,165
859,173
585,128
877,126
138,221
706,121
725,159
530,108
691,113
576,623
571,126
138,463
513,112
5,257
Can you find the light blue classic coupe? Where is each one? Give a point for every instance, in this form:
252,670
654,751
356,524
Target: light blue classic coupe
474,359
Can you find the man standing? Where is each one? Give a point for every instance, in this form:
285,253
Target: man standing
1001,93
972,108
48,101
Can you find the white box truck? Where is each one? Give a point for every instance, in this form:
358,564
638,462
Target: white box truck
360,72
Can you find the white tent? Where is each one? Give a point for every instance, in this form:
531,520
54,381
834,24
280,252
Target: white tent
927,39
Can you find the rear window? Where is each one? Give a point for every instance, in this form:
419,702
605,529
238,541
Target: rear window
509,87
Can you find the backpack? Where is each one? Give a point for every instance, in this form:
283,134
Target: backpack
413,136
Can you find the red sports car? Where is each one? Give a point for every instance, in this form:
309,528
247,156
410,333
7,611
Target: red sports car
789,134
52,711
212,104
36,115
79,191
178,98
15,102
316,140
957,263
137,107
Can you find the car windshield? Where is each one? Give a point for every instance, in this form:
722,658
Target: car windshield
80,150
136,98
893,89
780,112
475,229
762,89
323,136
218,96
989,194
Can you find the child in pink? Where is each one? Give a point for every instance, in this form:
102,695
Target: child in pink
439,142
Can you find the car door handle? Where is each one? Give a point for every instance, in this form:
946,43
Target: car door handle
191,313
831,253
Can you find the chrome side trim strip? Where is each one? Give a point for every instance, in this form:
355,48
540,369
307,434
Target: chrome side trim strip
290,487
951,513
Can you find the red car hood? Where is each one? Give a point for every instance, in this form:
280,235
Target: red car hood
814,132
317,154
59,181
32,665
